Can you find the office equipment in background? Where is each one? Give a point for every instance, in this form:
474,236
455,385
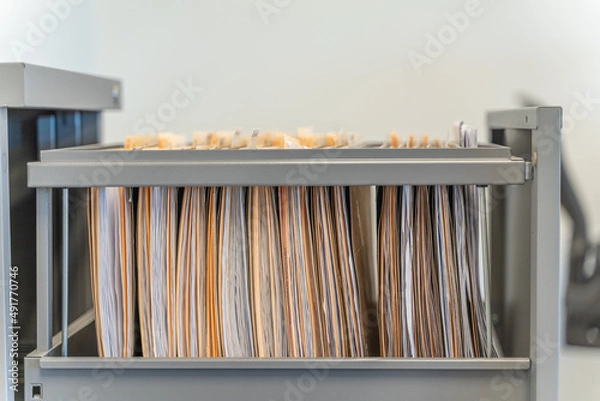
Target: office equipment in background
583,292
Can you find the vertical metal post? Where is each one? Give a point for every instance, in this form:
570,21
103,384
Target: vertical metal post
486,272
533,209
5,255
497,196
545,257
44,264
65,271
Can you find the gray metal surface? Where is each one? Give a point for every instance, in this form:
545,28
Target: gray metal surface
526,250
51,362
264,379
35,87
114,153
42,108
44,262
65,272
316,380
511,275
27,132
30,131
77,377
77,167
523,118
545,257
487,278
5,259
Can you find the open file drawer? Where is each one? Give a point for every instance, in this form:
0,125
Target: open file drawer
532,185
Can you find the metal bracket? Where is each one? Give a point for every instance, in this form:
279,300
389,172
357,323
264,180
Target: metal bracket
529,168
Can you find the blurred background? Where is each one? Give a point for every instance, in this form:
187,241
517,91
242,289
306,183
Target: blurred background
366,66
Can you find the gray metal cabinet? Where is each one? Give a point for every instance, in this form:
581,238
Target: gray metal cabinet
40,108
523,179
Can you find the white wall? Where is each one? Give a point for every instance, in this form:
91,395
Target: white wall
328,63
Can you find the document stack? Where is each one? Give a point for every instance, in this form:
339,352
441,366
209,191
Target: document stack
290,271
432,267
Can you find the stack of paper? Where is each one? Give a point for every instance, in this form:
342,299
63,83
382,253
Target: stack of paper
389,275
233,268
190,291
354,308
432,268
291,271
330,275
157,229
112,269
301,287
214,345
485,341
266,274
